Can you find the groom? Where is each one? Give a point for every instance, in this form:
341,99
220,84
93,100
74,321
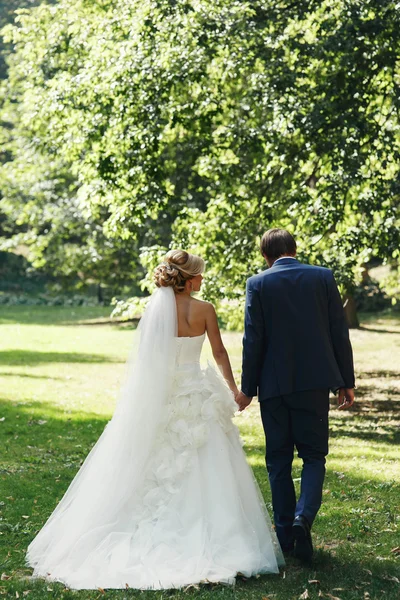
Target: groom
295,348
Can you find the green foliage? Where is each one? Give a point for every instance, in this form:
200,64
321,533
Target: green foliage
230,314
16,274
7,10
130,309
15,299
370,297
216,118
46,220
7,14
314,133
41,213
391,285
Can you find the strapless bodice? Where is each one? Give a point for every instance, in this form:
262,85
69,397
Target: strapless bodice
188,349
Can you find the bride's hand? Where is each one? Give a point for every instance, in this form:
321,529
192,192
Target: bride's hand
243,401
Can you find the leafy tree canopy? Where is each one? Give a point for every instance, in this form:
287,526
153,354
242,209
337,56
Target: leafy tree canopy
218,118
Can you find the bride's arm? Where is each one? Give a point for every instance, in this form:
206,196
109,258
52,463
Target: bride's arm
218,349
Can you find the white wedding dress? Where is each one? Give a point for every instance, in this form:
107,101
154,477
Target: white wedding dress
194,515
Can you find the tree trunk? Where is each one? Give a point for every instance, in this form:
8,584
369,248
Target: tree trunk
100,297
351,312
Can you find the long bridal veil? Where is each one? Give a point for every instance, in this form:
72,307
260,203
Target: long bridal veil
114,469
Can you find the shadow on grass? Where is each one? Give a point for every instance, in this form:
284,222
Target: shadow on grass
58,420
375,415
30,376
341,572
380,429
375,330
120,324
30,357
381,374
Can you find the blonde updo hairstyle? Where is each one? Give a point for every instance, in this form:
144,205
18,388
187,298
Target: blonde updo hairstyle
177,268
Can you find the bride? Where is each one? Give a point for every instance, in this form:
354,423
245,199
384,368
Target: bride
165,497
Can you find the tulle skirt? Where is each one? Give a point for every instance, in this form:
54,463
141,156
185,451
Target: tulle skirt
197,515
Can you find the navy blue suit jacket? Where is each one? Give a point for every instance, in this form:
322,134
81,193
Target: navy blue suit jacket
296,336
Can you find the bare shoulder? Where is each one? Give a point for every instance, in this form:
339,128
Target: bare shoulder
202,306
203,310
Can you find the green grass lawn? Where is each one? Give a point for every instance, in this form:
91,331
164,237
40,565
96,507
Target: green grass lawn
59,377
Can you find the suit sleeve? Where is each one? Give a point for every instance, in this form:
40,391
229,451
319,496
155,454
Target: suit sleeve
340,334
253,341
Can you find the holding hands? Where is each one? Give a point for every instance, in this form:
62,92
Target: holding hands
242,400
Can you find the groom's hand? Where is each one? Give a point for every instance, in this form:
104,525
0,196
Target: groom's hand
345,398
243,401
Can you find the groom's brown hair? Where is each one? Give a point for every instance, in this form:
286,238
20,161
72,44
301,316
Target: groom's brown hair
277,242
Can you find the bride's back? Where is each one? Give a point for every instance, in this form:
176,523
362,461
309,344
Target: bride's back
191,316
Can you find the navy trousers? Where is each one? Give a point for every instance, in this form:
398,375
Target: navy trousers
298,420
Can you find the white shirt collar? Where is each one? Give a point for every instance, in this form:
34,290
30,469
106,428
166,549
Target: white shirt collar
281,257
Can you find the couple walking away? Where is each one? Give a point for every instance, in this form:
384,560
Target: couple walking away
165,497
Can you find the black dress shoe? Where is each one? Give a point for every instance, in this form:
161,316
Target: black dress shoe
303,548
